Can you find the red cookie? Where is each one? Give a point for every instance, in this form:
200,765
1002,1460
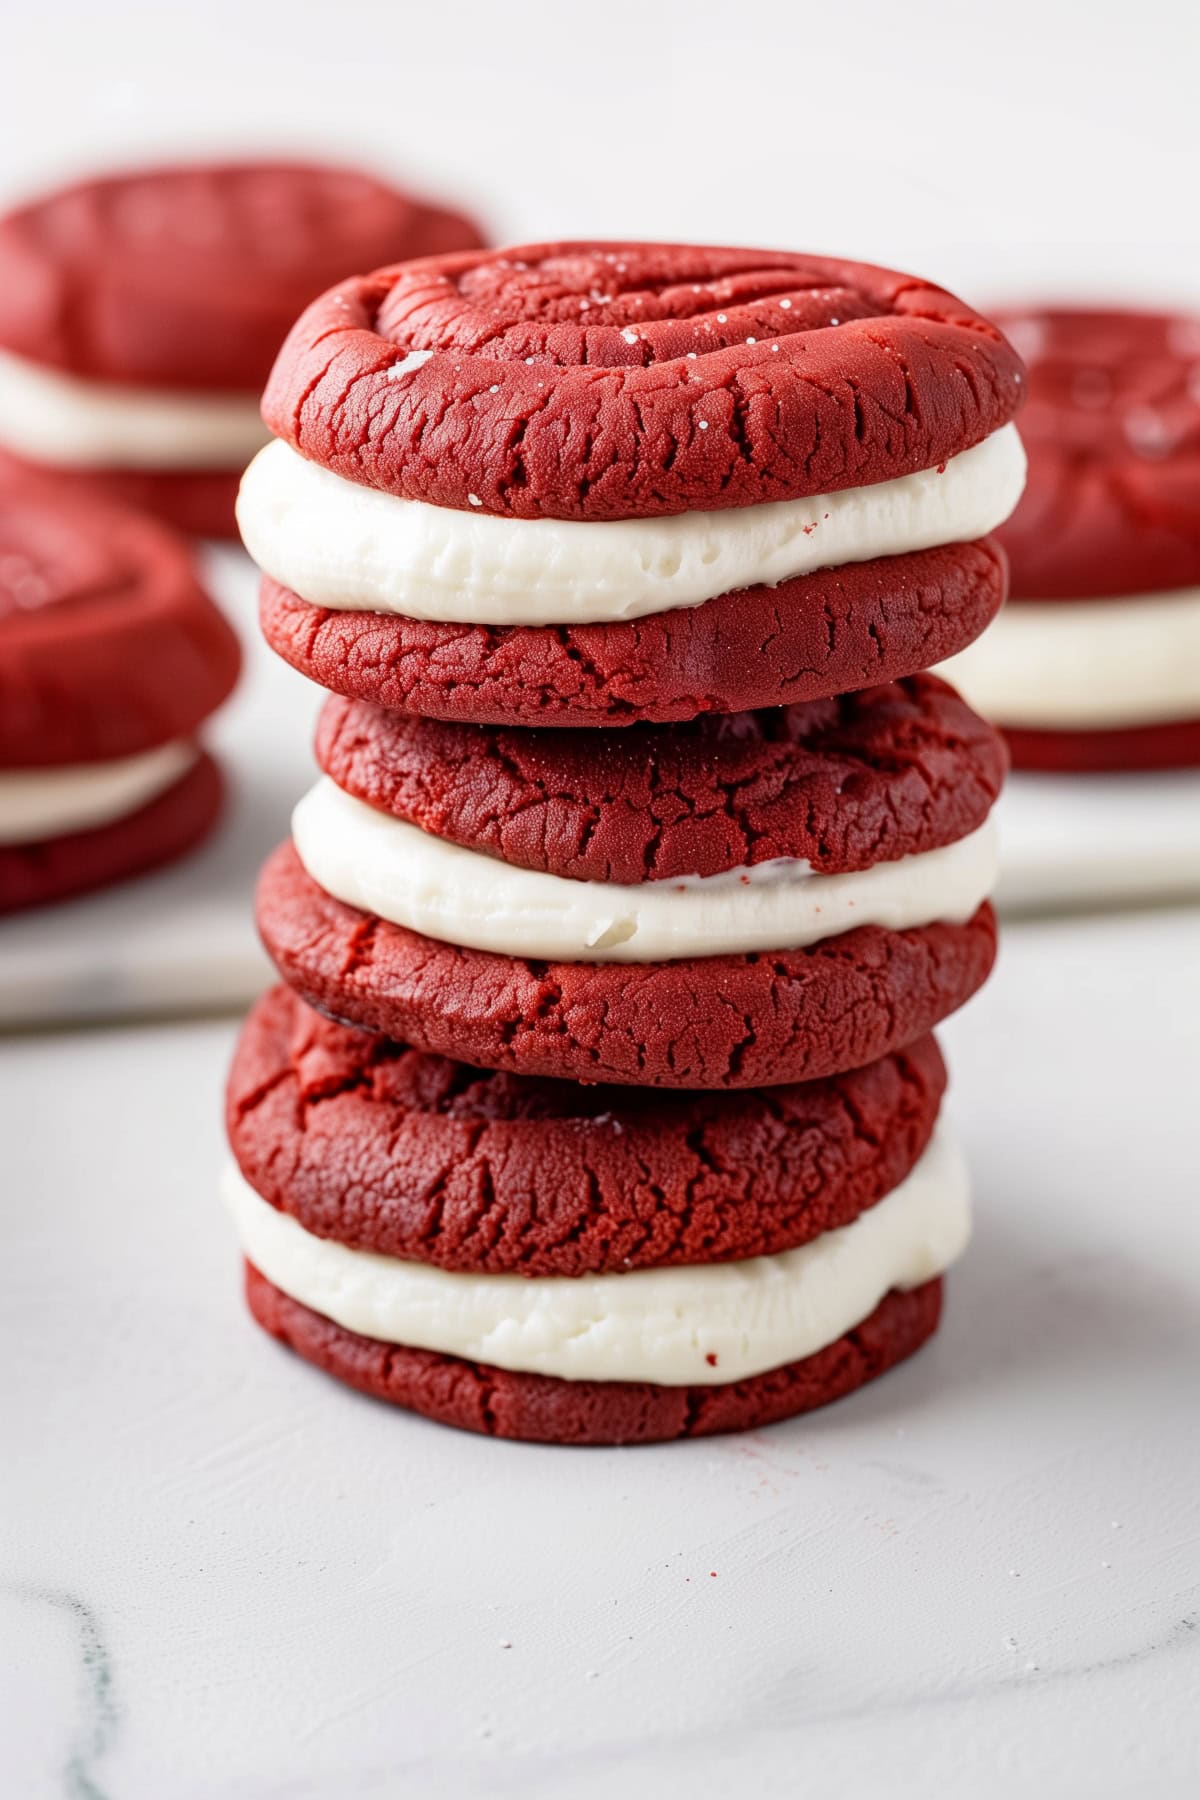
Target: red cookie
572,380
385,1148
198,502
543,1409
190,277
1173,745
824,633
109,646
700,1022
1112,428
176,820
187,279
842,783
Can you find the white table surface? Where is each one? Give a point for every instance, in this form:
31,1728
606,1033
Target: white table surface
225,1575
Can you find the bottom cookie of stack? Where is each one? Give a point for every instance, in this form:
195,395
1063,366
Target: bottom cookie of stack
536,1260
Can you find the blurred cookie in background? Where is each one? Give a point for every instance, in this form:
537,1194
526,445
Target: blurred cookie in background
111,657
1094,665
140,314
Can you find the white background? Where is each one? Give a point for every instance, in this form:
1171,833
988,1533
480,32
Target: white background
224,1576
983,145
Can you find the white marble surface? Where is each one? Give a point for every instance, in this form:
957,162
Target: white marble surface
224,1575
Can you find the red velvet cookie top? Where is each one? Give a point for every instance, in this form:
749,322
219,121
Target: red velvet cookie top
190,277
843,784
1112,427
386,1148
108,644
609,381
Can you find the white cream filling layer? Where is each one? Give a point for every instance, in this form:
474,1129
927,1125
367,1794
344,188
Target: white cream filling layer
1086,664
393,869
70,422
710,1324
36,804
339,544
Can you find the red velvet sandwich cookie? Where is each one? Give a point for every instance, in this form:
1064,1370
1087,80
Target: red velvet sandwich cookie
543,1409
843,784
175,820
111,656
1096,664
381,1147
747,901
711,1022
633,1269
593,484
140,312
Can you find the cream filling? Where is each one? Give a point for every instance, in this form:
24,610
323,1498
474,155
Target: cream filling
337,543
36,804
71,422
712,1324
1086,665
386,866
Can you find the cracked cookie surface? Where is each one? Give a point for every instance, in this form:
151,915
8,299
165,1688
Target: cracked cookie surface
699,1022
624,380
826,633
385,1148
840,784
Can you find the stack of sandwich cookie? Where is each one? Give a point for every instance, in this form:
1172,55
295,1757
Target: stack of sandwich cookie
140,314
753,898
111,657
1096,664
600,1105
586,1264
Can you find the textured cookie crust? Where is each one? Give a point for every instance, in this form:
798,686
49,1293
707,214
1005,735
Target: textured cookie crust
543,1409
175,821
190,277
843,784
1112,428
1174,745
826,633
108,643
701,1022
609,381
384,1148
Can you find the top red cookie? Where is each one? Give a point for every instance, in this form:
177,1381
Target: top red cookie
608,381
189,277
108,644
1112,427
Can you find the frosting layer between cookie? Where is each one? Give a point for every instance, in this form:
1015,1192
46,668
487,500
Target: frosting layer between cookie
715,1324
